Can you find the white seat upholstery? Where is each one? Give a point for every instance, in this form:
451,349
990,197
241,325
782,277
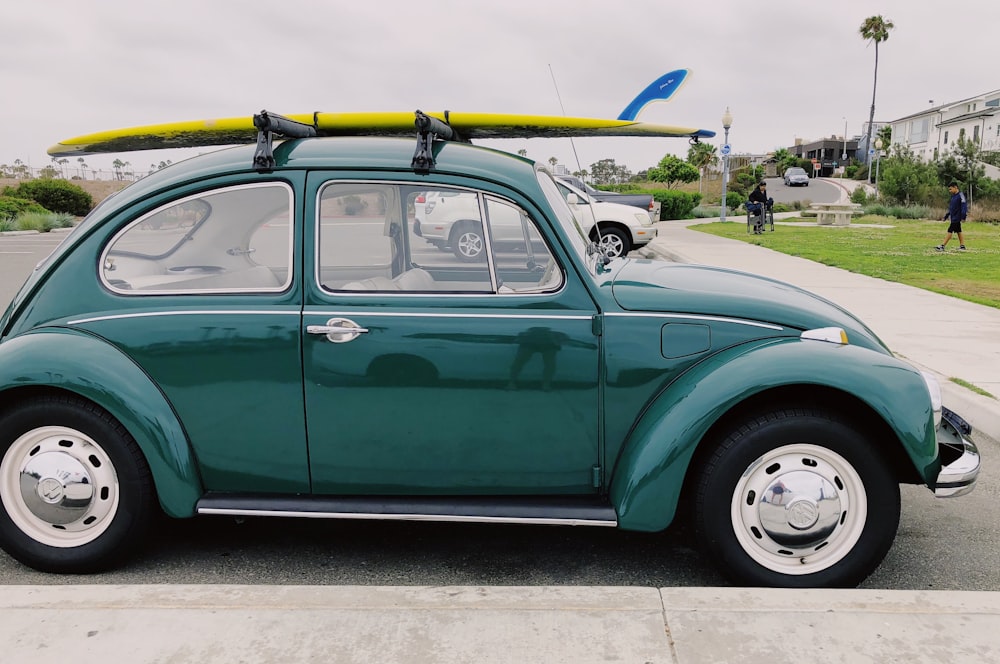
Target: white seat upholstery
413,281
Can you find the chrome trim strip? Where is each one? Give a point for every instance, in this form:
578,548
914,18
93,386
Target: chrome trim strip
410,517
720,319
414,314
199,312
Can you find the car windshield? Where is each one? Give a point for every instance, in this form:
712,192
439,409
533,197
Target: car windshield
796,171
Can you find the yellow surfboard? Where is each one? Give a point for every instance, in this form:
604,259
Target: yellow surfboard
233,131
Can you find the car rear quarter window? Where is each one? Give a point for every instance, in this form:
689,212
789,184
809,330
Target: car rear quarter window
237,239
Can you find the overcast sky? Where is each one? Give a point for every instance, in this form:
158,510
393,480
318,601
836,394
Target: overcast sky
785,68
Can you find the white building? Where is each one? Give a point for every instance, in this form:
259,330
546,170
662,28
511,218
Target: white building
933,132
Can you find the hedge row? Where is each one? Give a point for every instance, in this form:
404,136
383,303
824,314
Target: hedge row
675,204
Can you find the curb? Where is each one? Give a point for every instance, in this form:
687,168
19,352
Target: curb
19,233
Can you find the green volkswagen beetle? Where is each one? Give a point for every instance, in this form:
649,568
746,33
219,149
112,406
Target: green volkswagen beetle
226,337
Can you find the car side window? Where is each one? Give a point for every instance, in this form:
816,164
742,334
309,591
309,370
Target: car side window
401,238
236,239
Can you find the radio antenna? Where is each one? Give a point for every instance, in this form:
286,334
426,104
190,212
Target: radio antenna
579,168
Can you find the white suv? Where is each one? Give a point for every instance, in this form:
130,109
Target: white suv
450,219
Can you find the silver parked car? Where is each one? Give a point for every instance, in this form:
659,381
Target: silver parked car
796,176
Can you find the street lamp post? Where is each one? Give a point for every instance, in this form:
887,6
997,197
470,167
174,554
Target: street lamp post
727,122
843,155
878,162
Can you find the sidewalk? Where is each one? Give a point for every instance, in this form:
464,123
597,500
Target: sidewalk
949,337
420,625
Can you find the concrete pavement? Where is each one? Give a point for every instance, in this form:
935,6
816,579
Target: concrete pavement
417,625
210,623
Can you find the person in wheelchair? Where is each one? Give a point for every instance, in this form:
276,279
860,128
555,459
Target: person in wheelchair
758,202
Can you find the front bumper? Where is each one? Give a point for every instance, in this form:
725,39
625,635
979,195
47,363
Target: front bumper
959,457
644,235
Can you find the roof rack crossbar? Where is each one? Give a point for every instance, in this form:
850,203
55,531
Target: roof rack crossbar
427,129
267,125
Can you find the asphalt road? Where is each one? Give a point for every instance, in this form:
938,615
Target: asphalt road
941,544
818,191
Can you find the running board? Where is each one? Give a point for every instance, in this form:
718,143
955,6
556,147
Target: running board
540,510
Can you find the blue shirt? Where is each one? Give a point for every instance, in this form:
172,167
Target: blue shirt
958,208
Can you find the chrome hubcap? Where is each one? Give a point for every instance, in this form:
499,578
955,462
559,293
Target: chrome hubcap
799,509
59,486
56,487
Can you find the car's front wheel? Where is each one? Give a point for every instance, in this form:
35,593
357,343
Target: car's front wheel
615,242
75,492
796,498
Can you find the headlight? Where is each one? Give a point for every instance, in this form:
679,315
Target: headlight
934,388
643,219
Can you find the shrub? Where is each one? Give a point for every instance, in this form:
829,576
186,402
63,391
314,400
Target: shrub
57,196
43,222
11,206
675,204
898,211
859,196
734,199
706,212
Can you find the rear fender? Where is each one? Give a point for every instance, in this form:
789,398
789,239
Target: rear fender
650,473
85,365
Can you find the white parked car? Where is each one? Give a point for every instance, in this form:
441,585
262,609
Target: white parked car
450,220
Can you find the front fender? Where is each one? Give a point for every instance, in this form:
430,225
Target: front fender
77,362
650,472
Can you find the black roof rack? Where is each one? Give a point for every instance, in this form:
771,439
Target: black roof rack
427,129
269,124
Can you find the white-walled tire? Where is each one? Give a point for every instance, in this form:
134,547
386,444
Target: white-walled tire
796,498
75,492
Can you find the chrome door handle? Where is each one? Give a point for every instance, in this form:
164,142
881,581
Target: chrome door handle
338,330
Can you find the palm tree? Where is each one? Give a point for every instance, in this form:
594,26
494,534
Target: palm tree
874,29
701,155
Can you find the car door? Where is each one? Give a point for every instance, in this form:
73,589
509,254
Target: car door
425,374
202,298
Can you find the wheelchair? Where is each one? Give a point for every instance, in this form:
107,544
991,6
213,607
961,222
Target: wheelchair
759,216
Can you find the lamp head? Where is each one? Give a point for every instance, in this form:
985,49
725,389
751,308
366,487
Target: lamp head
727,119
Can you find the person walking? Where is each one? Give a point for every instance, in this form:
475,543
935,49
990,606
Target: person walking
958,209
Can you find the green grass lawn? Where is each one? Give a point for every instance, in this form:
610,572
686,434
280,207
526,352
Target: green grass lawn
903,253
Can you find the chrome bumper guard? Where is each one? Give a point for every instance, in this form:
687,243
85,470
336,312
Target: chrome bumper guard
959,457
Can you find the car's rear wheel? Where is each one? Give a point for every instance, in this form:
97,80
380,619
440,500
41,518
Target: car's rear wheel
796,498
615,242
467,242
75,492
